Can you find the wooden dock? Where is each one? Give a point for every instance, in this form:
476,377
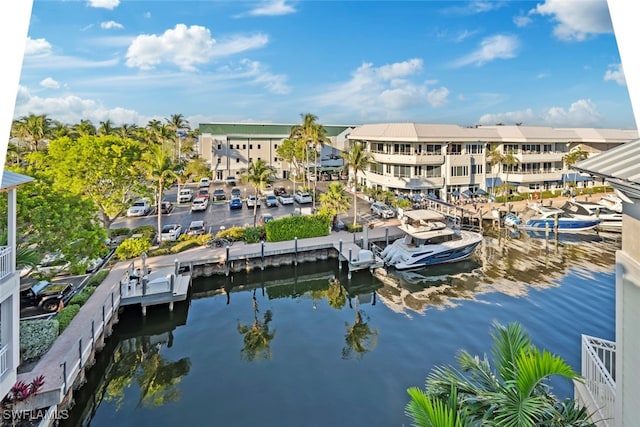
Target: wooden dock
357,260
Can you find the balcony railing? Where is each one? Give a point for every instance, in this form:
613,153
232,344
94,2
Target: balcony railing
5,262
598,371
3,359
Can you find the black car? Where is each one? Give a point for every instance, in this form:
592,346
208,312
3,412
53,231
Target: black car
218,194
47,295
279,190
166,207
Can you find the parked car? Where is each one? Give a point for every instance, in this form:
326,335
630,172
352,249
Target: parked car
285,199
235,203
230,180
166,207
279,190
47,295
196,228
199,204
185,195
382,210
140,207
302,197
253,201
92,265
271,201
203,192
170,232
265,218
235,192
218,194
204,182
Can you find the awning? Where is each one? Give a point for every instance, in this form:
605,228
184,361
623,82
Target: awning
494,182
576,177
467,193
481,192
455,193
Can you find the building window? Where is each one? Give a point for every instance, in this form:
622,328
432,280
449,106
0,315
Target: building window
417,171
275,146
250,160
275,159
250,146
219,160
244,146
258,146
547,148
259,159
476,169
388,169
455,149
433,172
476,148
460,171
219,146
513,148
238,160
401,171
376,168
433,149
531,148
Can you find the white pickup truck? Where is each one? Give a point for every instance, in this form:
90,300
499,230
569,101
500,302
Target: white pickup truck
185,195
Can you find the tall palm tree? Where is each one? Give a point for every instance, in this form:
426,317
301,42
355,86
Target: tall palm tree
84,128
334,201
106,128
356,159
158,168
575,155
127,131
516,392
176,122
494,157
509,160
258,174
34,129
312,134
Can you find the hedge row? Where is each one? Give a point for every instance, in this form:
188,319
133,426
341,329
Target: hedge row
302,227
36,337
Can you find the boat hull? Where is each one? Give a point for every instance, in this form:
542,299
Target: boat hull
445,257
562,225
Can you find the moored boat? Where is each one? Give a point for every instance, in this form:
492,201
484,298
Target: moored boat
429,240
610,220
557,220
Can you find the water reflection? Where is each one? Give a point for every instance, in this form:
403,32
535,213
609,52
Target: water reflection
257,337
360,338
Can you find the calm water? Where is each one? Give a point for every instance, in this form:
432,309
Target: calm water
283,348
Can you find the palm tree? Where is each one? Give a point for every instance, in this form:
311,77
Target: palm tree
356,159
106,128
334,201
360,338
175,123
127,131
312,134
514,393
257,337
575,155
158,168
34,129
494,157
84,128
509,160
257,174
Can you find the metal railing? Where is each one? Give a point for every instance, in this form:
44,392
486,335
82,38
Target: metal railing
5,262
3,359
598,371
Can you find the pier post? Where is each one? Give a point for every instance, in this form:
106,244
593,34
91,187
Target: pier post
80,352
262,255
172,283
64,376
93,334
362,243
226,262
295,242
171,306
386,236
340,255
546,231
349,258
144,310
177,266
354,237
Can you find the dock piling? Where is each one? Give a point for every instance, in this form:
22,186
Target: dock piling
339,255
295,242
262,255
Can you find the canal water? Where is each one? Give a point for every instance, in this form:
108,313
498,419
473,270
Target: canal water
284,347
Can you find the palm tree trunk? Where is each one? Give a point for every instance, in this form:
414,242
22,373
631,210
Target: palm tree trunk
255,209
159,212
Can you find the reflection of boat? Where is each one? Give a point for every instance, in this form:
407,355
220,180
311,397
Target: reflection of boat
428,241
437,274
558,220
612,202
610,220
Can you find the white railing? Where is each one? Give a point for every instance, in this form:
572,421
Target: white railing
3,359
5,262
598,371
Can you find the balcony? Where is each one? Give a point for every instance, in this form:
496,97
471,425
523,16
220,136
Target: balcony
3,359
408,158
5,262
534,176
598,391
408,183
540,156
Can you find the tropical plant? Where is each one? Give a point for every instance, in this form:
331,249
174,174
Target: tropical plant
494,157
106,128
257,337
509,160
356,159
515,392
258,174
359,338
334,201
34,129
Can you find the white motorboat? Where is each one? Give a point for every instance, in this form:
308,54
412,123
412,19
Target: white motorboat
612,202
429,240
556,219
610,220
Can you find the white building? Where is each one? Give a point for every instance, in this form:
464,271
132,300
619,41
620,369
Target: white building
612,386
444,159
10,288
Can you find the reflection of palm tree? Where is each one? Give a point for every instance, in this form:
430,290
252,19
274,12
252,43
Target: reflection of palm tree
257,337
336,294
360,338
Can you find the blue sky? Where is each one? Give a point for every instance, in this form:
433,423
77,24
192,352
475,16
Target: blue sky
549,63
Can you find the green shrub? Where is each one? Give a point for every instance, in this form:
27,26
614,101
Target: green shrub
148,231
354,228
252,235
132,248
166,250
83,296
65,316
233,234
302,227
121,231
183,246
36,337
98,278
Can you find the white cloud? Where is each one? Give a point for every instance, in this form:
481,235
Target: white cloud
576,19
108,25
71,109
147,15
273,8
582,113
258,74
522,21
104,4
385,92
37,47
186,47
49,83
474,7
491,48
616,74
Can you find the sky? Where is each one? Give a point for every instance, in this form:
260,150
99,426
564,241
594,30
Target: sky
543,63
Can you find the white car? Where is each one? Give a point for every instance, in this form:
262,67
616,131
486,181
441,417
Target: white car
382,210
302,197
185,195
140,207
271,201
170,232
285,199
199,204
196,228
252,201
204,182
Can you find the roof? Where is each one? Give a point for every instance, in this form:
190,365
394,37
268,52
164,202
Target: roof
12,179
619,166
261,130
423,214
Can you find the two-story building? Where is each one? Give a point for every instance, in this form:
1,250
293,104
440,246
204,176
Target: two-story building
10,288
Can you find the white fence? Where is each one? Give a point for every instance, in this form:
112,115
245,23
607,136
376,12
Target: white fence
598,371
5,262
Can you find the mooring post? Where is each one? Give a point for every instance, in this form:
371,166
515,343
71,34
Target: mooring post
386,236
226,262
172,283
340,255
93,334
64,376
546,231
295,242
80,352
262,254
350,249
